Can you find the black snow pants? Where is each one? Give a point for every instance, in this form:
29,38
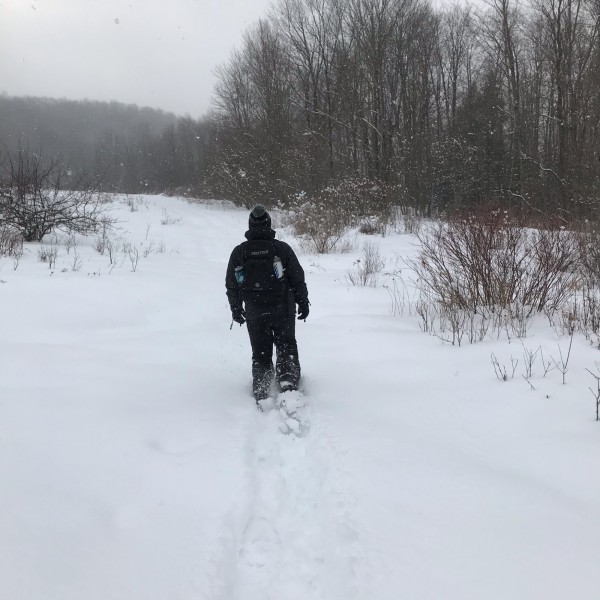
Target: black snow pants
277,327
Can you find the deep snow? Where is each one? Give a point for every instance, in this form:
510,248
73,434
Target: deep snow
134,465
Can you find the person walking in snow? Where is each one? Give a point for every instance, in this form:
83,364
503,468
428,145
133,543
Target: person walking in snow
265,282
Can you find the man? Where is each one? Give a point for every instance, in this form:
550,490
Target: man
264,283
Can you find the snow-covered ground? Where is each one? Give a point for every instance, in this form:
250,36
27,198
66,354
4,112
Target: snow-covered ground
134,465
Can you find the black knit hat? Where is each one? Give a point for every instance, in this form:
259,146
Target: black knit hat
259,217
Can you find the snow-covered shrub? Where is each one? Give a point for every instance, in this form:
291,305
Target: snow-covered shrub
325,217
35,200
402,301
503,372
48,254
371,226
589,250
112,249
581,313
132,252
452,324
411,220
596,392
166,219
323,226
11,242
582,310
366,269
11,245
478,262
105,226
485,264
70,241
76,262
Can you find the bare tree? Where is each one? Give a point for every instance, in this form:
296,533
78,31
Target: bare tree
454,107
34,201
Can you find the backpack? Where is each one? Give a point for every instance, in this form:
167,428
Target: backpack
260,284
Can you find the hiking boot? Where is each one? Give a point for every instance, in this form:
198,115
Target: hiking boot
287,386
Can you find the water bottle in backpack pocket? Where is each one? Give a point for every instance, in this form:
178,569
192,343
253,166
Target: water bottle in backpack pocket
239,275
277,267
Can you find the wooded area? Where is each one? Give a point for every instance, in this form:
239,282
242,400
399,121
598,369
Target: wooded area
445,109
124,147
452,107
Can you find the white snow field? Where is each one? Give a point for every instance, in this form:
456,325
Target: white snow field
135,466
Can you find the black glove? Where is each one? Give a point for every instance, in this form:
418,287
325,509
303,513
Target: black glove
303,310
238,315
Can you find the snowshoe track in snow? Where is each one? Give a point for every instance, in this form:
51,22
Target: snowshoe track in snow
260,543
294,415
296,539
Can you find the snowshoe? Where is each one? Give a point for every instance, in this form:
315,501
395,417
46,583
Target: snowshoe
287,386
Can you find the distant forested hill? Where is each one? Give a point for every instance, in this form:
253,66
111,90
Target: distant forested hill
131,148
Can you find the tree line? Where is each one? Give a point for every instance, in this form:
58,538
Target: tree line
121,148
444,108
450,107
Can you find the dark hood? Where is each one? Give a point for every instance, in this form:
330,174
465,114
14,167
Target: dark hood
260,233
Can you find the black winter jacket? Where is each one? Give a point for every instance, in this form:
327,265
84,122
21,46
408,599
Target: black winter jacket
297,292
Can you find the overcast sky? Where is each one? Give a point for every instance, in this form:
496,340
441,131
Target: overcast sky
159,53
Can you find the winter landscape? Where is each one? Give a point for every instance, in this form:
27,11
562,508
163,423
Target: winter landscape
135,464
435,167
